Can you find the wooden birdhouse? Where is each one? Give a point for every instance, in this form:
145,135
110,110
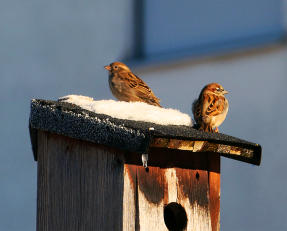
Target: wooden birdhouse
91,175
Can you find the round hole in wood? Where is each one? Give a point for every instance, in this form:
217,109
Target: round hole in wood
175,217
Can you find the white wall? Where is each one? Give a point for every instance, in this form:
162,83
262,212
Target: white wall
49,49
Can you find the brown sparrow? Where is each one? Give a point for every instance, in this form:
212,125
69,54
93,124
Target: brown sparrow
211,107
126,86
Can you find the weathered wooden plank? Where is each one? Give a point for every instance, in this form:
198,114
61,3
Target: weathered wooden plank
43,199
149,191
230,151
201,146
80,185
130,199
151,188
84,186
193,196
214,190
159,188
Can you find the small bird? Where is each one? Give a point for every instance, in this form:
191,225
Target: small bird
211,107
126,86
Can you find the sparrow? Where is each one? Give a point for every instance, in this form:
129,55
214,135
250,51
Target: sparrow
126,86
211,107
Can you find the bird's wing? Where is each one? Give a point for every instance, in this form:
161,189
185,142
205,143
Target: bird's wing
142,90
196,110
136,82
212,105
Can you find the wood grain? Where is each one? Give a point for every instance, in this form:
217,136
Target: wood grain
80,185
130,199
229,151
84,186
153,190
193,196
214,191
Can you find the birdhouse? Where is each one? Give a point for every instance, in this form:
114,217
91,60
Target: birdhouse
91,174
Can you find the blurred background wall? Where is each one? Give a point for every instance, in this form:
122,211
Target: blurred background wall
53,48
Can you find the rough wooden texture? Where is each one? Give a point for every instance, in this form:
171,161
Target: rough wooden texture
197,190
84,186
130,201
214,191
230,151
80,185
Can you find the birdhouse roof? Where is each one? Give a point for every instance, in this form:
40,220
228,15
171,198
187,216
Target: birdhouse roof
134,136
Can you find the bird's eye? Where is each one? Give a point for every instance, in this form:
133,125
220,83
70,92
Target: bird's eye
217,89
115,67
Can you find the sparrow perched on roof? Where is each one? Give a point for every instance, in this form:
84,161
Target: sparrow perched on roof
211,107
126,86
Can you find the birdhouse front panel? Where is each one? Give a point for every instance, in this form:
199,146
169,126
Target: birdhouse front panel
172,198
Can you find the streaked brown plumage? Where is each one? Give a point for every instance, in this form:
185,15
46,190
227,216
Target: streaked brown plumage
211,107
126,86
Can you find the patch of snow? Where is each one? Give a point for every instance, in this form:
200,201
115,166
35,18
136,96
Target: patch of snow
137,111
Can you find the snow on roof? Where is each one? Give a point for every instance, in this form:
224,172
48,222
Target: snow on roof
137,111
68,119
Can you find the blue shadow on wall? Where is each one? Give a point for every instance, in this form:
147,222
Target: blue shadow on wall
166,29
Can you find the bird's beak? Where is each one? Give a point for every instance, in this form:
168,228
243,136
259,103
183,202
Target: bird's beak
225,92
108,67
